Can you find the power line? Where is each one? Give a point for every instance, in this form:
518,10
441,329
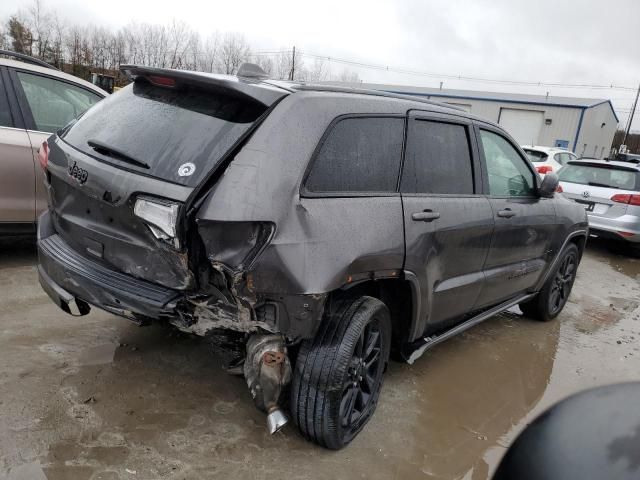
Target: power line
387,68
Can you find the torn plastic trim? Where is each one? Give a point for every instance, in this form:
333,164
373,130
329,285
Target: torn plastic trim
233,306
234,246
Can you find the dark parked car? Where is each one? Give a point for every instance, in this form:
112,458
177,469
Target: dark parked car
309,230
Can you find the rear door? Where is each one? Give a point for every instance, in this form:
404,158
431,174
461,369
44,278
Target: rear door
522,242
47,104
448,222
17,168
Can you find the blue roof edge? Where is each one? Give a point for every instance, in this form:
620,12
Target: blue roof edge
610,105
521,102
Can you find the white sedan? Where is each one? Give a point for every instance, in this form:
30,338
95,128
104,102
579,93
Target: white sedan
548,159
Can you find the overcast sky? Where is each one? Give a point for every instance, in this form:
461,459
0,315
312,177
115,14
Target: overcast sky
559,41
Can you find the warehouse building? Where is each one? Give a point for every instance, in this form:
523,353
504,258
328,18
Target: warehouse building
583,125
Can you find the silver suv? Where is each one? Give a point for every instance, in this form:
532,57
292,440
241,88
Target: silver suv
35,101
610,193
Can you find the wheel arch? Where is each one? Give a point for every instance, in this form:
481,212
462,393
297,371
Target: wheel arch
577,237
400,295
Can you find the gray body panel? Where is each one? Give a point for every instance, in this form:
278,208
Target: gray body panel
465,260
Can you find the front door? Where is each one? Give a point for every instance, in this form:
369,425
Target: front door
448,223
524,222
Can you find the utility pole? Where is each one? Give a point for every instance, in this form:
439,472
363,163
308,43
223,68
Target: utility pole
293,64
630,121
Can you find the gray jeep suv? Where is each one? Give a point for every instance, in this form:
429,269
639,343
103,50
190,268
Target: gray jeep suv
309,231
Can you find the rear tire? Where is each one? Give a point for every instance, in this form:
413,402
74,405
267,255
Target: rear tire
338,374
550,301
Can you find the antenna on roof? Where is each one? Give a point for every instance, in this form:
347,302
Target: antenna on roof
251,70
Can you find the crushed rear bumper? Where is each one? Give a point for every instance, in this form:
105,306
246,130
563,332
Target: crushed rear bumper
74,282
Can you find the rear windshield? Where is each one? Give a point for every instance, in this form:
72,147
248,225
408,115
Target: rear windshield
600,176
536,155
175,135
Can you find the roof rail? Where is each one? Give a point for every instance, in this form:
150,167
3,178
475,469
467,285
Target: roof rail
26,58
321,87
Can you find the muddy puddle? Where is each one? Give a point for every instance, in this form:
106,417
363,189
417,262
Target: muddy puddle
98,398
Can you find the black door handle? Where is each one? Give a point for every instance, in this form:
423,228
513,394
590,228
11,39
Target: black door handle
506,213
425,216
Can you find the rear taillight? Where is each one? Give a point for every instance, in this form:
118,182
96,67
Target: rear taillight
627,198
161,218
162,81
43,155
544,169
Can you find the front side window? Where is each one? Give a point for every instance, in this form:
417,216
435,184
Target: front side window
507,171
54,103
359,155
437,160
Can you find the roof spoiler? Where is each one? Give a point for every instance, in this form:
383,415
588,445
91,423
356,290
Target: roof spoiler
246,89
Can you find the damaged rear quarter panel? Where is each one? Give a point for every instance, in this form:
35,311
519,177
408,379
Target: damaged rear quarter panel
318,242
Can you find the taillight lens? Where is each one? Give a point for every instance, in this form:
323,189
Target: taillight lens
161,218
43,155
629,199
544,169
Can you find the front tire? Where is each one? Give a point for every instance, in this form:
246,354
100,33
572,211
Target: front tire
338,374
550,301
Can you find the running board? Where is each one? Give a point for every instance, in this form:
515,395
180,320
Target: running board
415,350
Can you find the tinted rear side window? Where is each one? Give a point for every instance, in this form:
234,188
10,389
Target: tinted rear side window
359,155
180,134
438,159
536,155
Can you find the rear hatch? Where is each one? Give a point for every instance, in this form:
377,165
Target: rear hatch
122,176
603,189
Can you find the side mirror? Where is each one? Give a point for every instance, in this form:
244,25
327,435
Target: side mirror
549,185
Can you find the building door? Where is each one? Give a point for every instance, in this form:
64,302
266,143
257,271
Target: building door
523,125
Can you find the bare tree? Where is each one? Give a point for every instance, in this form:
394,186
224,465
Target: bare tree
234,50
83,49
285,62
349,76
57,41
318,72
4,38
40,22
179,38
265,62
208,58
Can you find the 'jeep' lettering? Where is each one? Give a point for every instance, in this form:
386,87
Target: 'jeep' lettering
80,174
